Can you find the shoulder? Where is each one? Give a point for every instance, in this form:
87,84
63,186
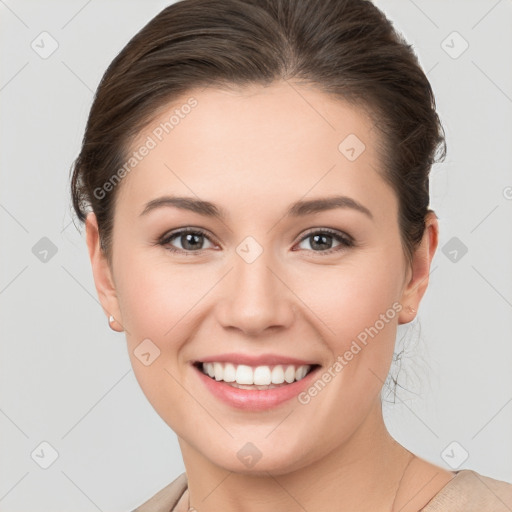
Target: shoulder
470,491
167,498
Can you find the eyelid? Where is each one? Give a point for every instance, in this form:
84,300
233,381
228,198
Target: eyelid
336,233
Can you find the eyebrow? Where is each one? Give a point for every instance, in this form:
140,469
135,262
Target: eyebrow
297,209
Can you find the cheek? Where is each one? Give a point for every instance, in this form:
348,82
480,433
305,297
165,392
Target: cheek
358,303
161,302
156,296
359,317
157,303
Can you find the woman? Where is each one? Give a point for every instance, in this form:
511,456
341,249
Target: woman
254,184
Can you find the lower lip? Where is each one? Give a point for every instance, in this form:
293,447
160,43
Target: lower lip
255,400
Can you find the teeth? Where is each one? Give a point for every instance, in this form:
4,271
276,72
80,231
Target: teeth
255,376
300,373
244,374
289,374
229,373
277,375
218,371
262,376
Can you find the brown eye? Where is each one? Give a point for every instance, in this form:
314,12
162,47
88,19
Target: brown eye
189,240
321,241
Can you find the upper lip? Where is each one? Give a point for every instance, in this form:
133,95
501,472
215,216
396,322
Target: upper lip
254,360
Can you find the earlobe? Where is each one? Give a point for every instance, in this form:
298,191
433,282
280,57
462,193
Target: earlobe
420,270
103,280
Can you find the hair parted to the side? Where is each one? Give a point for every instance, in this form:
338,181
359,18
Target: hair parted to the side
347,48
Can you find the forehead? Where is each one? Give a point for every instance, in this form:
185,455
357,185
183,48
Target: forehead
287,138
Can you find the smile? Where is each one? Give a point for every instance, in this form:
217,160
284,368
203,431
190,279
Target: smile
259,377
254,387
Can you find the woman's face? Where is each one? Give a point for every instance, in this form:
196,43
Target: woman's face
279,271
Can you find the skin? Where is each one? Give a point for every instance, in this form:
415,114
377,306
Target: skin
253,152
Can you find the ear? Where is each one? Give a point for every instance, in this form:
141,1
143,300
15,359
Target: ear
418,273
103,278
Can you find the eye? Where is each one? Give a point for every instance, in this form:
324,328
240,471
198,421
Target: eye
190,239
320,241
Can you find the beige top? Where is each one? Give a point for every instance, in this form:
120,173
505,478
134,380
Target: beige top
467,491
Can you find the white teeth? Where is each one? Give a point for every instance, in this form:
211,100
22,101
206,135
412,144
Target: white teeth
262,376
244,374
289,374
300,373
277,375
219,372
257,376
210,370
229,373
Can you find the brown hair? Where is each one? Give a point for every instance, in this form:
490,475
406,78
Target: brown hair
347,48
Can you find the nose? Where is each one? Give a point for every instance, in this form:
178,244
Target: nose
256,297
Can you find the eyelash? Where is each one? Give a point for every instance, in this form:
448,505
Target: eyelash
345,241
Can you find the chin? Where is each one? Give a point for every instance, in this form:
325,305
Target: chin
250,460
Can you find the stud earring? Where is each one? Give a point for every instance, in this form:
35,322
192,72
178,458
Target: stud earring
411,309
111,320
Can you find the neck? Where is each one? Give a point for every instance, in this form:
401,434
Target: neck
361,474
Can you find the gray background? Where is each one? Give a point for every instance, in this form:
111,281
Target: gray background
65,377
